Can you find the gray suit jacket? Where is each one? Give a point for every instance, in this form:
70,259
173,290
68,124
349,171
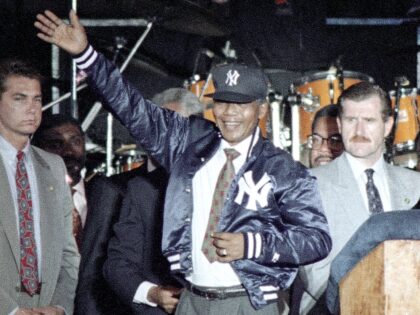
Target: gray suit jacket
60,259
345,211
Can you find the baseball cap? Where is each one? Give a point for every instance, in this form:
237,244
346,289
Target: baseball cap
238,83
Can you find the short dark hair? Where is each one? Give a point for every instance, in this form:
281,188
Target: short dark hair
51,121
362,91
16,67
330,110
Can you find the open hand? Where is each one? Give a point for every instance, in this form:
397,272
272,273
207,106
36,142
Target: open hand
70,37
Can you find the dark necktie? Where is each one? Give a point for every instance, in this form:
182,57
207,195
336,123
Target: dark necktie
222,186
28,251
77,224
374,199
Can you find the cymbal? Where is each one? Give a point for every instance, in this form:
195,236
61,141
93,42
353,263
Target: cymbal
94,148
126,149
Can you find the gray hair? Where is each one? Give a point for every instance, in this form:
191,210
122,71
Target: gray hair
185,98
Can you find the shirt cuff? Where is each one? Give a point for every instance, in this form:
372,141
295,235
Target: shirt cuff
14,311
141,293
86,58
59,306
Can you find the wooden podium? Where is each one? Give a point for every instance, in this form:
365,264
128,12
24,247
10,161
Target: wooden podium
387,281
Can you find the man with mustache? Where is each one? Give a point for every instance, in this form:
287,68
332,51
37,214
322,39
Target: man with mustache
364,120
325,141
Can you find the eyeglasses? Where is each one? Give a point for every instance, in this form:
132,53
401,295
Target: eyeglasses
334,142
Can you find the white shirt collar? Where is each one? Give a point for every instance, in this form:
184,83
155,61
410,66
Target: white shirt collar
8,151
80,187
243,146
358,168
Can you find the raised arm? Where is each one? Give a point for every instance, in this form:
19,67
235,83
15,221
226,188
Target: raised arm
70,37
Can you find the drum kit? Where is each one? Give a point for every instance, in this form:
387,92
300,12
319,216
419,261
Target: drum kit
288,123
315,90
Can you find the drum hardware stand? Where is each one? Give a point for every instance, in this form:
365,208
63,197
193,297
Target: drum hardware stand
340,75
308,101
389,143
280,134
295,101
205,86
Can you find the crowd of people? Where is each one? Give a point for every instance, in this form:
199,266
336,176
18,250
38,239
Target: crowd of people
216,220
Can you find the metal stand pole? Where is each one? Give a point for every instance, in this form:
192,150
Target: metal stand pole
295,132
74,107
55,75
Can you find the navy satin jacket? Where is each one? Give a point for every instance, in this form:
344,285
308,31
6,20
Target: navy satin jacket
273,200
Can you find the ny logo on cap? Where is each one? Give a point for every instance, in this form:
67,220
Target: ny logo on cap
232,78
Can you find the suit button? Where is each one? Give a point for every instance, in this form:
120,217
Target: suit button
203,159
188,220
188,190
17,288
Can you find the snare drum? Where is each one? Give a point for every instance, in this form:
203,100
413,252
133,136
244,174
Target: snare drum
204,87
320,89
127,158
407,124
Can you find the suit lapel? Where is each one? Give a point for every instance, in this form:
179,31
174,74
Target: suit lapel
398,190
8,217
48,219
347,185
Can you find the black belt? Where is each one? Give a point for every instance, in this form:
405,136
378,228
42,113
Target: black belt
217,293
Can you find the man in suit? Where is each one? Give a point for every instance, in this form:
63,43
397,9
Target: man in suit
39,259
365,120
325,142
96,209
63,135
136,269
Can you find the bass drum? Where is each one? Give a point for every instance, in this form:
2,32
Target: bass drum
321,89
407,127
204,87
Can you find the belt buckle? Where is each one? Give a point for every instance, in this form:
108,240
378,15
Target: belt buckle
209,295
221,295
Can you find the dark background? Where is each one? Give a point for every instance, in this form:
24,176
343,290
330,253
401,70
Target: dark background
286,37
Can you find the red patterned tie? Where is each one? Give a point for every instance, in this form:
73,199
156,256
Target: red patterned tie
28,254
77,224
222,186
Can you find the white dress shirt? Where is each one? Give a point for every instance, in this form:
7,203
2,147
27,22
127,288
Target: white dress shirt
79,200
8,153
204,183
379,178
204,273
